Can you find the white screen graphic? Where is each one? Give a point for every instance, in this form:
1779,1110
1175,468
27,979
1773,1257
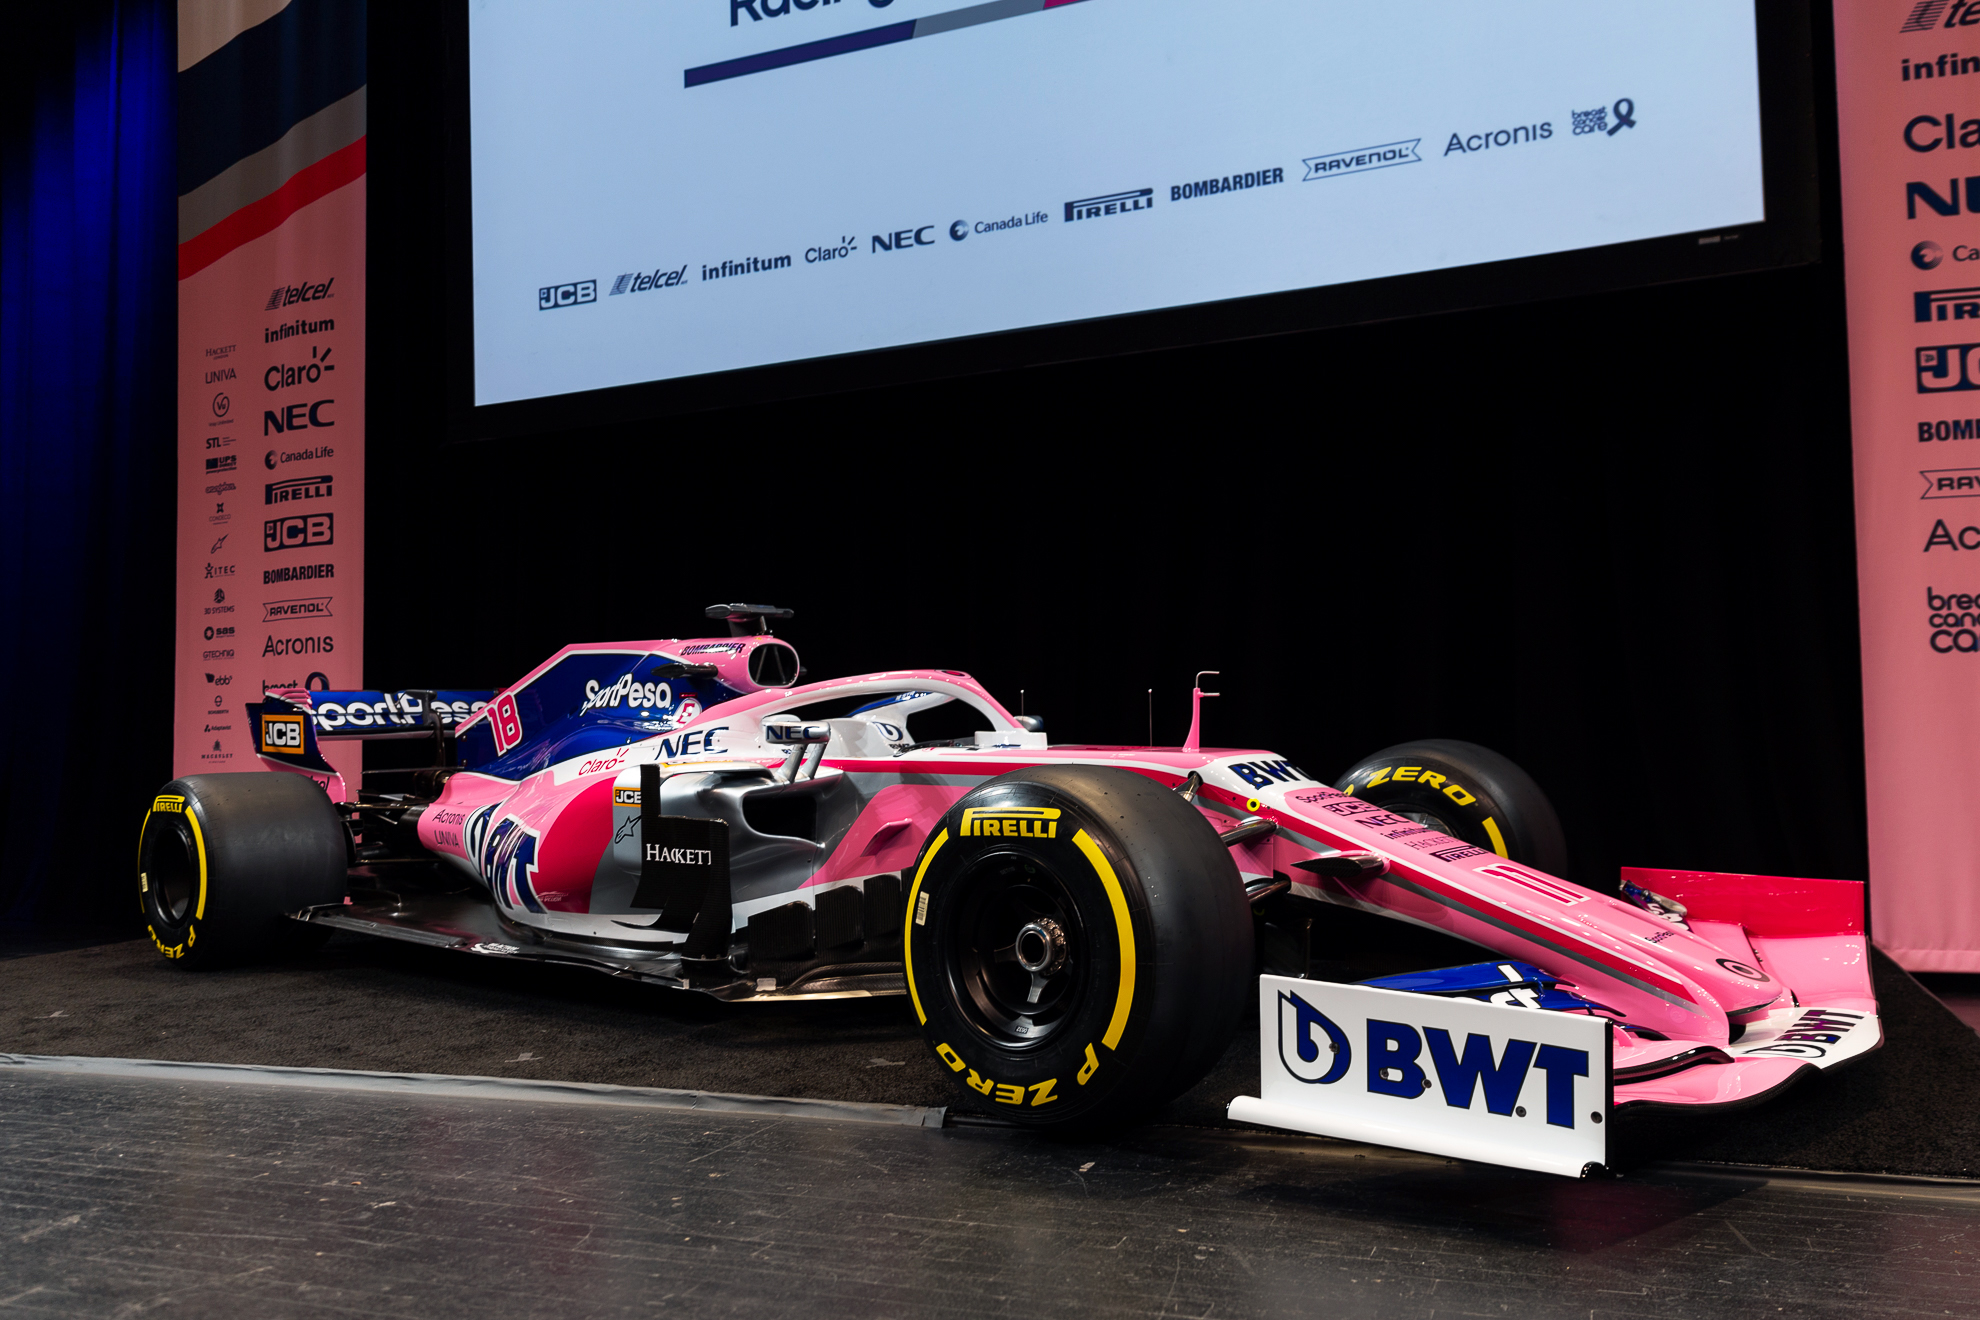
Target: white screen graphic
669,189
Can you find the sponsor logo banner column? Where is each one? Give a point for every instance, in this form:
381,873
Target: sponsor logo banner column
271,355
1908,83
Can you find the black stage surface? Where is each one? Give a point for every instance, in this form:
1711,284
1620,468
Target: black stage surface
129,1197
1912,1108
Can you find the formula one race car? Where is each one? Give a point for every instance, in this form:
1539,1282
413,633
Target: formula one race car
1077,928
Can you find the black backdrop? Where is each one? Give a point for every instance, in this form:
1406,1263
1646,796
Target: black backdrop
1609,536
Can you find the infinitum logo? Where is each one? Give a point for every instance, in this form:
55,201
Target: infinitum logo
1927,15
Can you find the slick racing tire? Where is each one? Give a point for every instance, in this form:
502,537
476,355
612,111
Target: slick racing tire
1079,945
1468,792
222,860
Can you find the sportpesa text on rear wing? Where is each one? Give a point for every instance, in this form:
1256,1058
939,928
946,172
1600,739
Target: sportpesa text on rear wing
286,725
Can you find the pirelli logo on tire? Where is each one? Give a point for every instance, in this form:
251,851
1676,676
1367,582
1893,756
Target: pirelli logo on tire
1010,822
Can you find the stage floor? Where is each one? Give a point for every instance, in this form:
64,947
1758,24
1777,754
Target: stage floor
1911,1108
128,1196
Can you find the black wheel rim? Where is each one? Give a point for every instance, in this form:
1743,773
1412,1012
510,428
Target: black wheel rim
171,876
1009,899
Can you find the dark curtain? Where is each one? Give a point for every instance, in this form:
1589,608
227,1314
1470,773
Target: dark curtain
88,305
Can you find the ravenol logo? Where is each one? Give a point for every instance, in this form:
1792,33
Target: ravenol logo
281,734
1011,822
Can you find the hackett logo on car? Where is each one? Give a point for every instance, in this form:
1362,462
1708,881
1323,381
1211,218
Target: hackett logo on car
1357,159
1012,822
295,489
306,530
1121,203
566,295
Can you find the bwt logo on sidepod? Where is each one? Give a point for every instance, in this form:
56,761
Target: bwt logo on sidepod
1391,1062
507,856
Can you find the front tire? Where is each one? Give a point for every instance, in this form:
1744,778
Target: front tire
1079,945
1468,792
222,860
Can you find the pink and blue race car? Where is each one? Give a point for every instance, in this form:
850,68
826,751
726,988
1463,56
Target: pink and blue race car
1079,930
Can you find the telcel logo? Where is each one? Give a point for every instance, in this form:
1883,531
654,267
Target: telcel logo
1925,15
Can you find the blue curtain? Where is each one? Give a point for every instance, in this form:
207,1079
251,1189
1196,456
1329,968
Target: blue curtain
88,311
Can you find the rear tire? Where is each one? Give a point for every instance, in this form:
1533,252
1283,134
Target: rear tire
1079,945
222,860
1468,792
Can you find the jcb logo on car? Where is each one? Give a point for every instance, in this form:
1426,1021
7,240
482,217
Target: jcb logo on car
1011,822
282,733
625,797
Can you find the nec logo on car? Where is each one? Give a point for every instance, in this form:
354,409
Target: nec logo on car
1390,1063
566,295
296,533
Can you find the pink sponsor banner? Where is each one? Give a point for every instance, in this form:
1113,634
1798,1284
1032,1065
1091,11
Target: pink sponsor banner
271,356
1908,86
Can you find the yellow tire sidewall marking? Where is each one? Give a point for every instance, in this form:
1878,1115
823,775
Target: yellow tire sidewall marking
1123,926
199,846
907,945
1498,839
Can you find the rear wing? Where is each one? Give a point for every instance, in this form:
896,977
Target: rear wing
287,725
